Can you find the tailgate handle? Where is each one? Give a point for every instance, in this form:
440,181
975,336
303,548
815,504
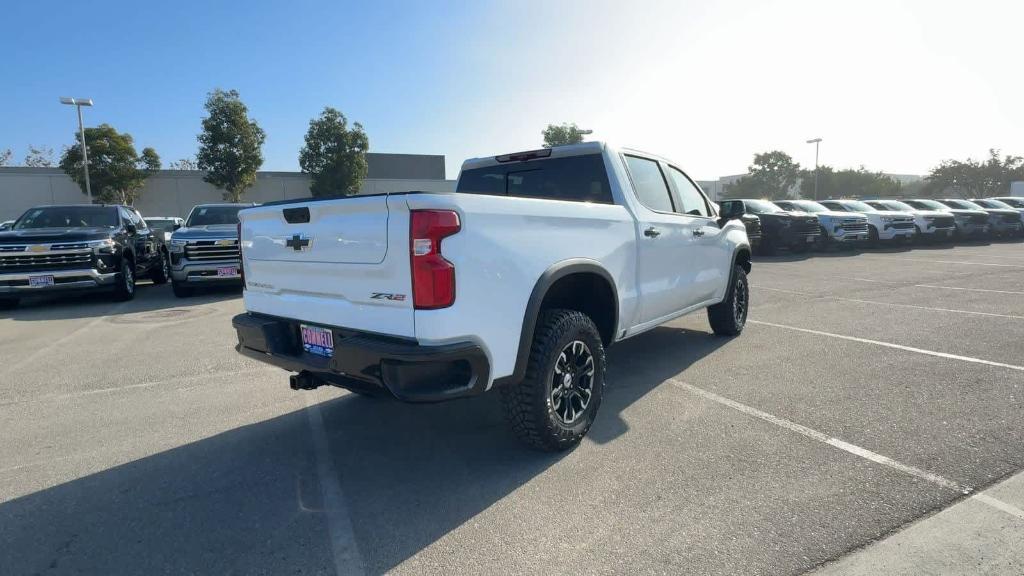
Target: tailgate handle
296,215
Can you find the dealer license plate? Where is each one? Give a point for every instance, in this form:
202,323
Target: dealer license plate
227,272
40,280
317,340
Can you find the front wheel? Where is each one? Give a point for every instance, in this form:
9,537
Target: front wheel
162,271
555,405
125,288
872,237
728,317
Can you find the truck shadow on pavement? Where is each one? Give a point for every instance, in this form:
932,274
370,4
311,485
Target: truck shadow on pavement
148,298
248,500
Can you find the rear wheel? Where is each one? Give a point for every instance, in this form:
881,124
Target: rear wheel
728,317
125,281
555,405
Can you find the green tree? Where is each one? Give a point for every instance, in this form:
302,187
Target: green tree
230,145
562,134
183,164
772,175
847,183
334,154
41,157
970,178
116,171
5,157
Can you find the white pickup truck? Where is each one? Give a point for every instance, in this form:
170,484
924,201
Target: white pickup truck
517,281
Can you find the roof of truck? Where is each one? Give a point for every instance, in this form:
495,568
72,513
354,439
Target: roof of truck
554,152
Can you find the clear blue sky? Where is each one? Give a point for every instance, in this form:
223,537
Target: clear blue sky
895,85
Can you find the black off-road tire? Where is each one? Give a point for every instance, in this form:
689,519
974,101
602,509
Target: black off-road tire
179,290
529,405
124,287
161,273
728,317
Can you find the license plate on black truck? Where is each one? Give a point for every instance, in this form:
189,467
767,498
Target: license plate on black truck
317,340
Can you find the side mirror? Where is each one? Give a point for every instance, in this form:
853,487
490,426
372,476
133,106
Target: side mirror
731,210
130,228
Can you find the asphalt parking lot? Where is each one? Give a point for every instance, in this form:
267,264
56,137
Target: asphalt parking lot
868,393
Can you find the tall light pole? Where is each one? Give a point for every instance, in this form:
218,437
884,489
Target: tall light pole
816,142
78,103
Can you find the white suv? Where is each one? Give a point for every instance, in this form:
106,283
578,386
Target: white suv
517,281
884,225
838,226
929,224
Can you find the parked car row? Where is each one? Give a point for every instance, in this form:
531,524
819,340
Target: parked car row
107,247
798,225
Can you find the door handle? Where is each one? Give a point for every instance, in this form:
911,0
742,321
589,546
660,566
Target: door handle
652,232
698,232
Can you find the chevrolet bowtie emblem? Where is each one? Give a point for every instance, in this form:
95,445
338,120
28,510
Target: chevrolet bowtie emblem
297,242
38,248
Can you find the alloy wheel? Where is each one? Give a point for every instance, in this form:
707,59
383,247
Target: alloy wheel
740,302
572,384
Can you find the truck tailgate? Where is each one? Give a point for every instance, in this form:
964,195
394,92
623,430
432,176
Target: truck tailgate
340,262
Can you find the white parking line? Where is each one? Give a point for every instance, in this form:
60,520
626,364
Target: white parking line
943,261
344,549
891,345
996,503
968,289
928,285
850,448
13,368
876,302
825,438
149,384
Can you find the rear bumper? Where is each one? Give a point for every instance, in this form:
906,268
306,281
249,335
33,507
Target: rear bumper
17,284
407,370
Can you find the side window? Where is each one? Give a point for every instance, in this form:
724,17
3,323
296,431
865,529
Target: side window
649,183
834,206
572,178
126,217
689,194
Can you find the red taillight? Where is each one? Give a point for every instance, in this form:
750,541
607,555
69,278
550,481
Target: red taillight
433,277
241,264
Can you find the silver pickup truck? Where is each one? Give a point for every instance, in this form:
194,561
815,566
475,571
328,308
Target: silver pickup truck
204,252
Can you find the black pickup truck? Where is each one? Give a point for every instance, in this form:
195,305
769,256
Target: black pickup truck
79,247
779,228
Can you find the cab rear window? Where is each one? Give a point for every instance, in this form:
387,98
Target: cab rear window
573,178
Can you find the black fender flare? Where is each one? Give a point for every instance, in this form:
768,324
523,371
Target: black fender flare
735,257
554,273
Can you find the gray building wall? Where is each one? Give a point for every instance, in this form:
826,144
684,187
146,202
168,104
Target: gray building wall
175,192
404,166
